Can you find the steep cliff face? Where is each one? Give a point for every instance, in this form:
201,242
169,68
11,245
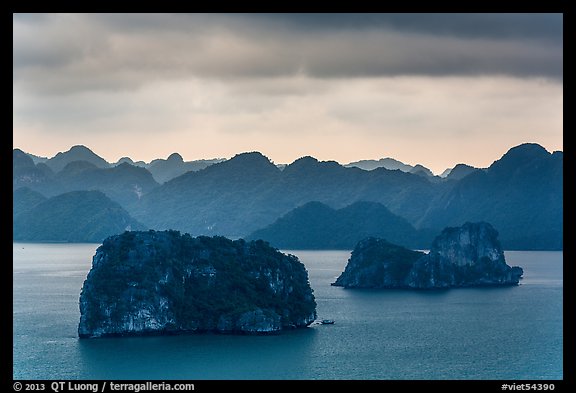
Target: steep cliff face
464,256
376,263
167,283
469,255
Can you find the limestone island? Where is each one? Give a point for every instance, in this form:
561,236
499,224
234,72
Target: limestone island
166,283
466,256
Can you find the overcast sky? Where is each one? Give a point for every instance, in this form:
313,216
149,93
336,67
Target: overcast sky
434,89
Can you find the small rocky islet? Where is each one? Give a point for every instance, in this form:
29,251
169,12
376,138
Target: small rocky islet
167,283
466,256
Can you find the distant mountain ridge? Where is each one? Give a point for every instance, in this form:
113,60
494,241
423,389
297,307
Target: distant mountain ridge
79,216
460,171
387,163
161,169
315,225
76,153
174,166
521,193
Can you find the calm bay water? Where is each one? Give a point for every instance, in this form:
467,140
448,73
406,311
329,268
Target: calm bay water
499,333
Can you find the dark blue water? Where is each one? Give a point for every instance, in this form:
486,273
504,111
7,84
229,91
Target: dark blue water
500,333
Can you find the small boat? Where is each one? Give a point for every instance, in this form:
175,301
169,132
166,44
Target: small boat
327,322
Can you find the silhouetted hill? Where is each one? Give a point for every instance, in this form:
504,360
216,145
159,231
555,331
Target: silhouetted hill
460,171
174,166
318,226
27,174
76,153
127,160
387,163
421,170
79,216
131,162
21,159
37,159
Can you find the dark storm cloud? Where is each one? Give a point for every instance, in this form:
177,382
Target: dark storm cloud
426,44
70,53
499,26
488,25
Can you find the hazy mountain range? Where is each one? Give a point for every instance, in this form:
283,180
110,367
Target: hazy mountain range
521,194
418,169
161,170
388,163
77,216
315,225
